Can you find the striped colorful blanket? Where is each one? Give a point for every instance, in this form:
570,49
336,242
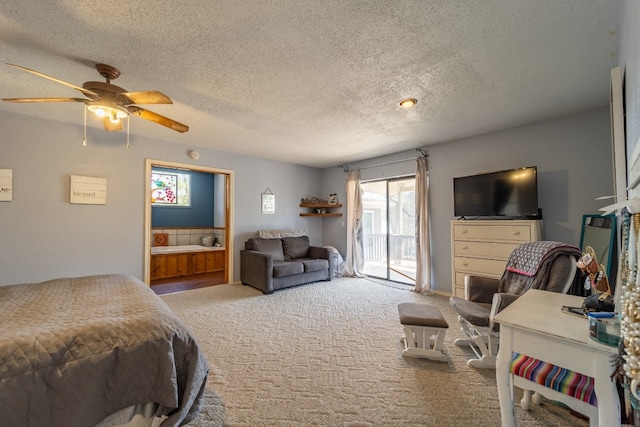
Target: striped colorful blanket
554,377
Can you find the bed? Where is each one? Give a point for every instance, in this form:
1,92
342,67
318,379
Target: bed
74,351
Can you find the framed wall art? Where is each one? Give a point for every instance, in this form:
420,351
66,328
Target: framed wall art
6,185
268,202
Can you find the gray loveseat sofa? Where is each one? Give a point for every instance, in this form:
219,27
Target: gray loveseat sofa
272,264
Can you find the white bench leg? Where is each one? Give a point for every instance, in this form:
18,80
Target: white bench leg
423,342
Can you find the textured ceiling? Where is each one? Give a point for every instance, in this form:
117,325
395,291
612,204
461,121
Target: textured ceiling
317,82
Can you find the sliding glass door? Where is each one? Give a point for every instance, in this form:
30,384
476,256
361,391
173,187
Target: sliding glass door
389,229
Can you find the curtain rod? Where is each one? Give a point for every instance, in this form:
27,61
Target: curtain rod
423,152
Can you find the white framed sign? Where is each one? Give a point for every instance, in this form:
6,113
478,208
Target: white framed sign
88,190
6,185
268,202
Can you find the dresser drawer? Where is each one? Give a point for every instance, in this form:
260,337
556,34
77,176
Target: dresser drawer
460,279
482,267
458,291
509,233
483,249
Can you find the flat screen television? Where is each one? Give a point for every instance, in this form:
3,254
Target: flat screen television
506,194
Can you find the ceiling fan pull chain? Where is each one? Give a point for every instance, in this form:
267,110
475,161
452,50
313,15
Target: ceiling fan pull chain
127,131
84,140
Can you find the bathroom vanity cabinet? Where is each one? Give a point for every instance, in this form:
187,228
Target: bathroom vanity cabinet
187,263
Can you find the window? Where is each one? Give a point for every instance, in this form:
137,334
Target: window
170,189
367,222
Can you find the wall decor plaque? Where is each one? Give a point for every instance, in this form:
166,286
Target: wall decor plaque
268,202
6,185
88,190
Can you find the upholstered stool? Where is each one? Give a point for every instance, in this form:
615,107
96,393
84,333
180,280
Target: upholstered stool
424,330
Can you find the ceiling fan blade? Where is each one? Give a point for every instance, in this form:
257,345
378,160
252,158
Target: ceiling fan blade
111,126
157,118
87,92
148,97
26,100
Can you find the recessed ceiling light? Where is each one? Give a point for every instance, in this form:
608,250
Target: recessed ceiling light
408,103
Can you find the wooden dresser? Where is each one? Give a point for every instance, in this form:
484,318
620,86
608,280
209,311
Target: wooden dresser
482,247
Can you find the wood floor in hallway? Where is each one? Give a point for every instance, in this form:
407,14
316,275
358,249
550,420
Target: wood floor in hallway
180,284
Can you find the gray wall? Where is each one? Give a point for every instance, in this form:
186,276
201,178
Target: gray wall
42,236
572,153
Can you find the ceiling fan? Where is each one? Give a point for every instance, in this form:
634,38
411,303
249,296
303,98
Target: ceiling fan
109,101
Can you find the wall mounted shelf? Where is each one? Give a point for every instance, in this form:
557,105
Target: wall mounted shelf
327,206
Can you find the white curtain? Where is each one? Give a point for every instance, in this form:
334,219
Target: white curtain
423,240
354,262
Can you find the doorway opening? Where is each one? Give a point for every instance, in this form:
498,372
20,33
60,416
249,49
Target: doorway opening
190,268
389,229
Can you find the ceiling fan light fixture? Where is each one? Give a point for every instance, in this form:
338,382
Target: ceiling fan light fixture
113,113
98,110
109,102
408,103
113,116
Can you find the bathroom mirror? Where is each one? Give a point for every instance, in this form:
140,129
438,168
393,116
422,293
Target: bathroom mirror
599,232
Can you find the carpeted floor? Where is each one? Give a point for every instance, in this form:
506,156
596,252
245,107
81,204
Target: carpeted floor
328,354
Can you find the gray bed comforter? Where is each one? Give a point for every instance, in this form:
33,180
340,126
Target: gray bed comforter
75,350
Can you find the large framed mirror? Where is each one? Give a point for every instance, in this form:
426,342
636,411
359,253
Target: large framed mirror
599,232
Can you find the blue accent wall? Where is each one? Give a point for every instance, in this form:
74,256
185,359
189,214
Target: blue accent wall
199,214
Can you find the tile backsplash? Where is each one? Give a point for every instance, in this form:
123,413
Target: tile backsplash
189,236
